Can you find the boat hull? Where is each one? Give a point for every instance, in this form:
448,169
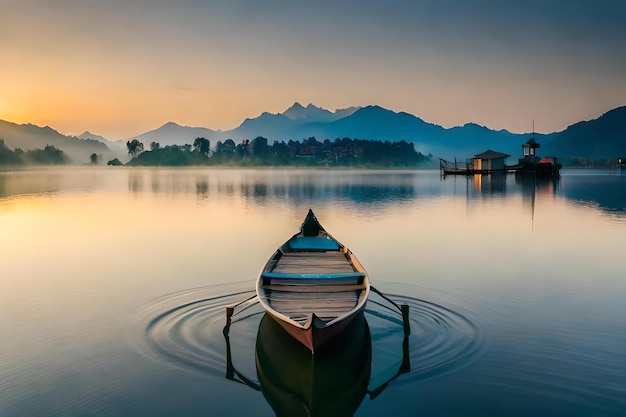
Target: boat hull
315,336
313,286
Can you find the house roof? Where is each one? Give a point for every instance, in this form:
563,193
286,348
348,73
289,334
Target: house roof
491,155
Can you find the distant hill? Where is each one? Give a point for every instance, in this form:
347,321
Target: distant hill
174,134
297,112
118,148
604,137
371,122
268,125
297,122
28,137
279,126
375,122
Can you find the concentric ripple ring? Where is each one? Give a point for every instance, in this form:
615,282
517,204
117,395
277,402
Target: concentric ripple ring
186,329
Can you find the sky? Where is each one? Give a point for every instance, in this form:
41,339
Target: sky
119,68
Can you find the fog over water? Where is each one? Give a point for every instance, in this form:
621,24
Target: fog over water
114,283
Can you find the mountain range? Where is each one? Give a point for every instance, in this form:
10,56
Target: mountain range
28,136
604,137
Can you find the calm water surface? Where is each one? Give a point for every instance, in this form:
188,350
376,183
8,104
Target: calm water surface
114,281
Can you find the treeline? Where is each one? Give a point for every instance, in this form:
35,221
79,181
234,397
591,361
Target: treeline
344,152
575,162
50,155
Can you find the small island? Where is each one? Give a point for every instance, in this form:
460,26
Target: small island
346,152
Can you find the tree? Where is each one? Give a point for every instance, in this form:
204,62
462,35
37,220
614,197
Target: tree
202,145
243,148
260,149
134,147
7,156
229,146
50,155
154,146
93,159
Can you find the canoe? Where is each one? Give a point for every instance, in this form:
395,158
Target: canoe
333,384
313,286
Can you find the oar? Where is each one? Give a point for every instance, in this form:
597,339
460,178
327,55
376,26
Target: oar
404,309
230,309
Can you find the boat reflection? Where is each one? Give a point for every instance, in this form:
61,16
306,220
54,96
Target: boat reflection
333,382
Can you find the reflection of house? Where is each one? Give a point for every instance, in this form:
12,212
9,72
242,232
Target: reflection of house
490,161
492,183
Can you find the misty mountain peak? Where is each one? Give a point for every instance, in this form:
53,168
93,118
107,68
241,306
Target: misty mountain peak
310,112
87,135
339,113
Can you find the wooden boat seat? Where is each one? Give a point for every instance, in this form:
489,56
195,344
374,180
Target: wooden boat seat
313,244
312,263
321,278
327,305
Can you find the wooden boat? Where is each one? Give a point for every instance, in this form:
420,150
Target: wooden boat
313,286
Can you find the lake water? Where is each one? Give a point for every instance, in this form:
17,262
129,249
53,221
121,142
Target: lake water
113,284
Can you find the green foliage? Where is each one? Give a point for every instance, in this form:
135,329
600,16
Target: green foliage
7,156
202,146
134,147
310,152
115,162
170,156
50,155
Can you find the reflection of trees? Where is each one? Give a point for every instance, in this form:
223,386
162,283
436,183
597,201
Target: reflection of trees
367,188
155,184
227,189
254,190
304,187
202,187
169,182
607,191
135,182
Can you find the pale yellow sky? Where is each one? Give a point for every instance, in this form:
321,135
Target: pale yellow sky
119,69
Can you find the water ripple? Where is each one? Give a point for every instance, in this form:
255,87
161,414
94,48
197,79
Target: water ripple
186,329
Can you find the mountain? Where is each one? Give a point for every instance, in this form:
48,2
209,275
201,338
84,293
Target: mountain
293,123
312,113
86,135
28,136
375,122
268,125
118,148
340,113
173,134
604,137
601,138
